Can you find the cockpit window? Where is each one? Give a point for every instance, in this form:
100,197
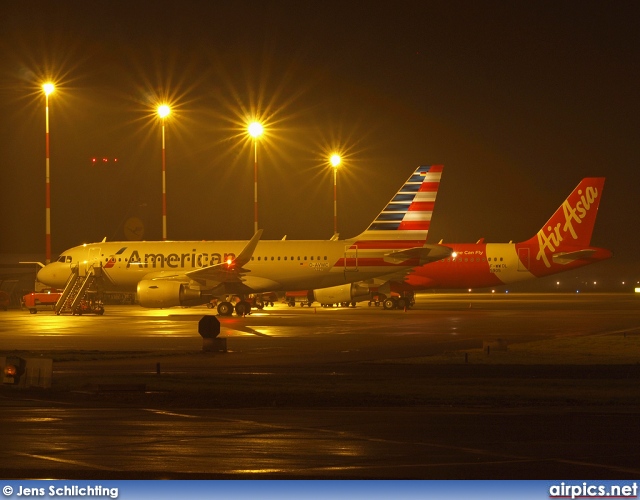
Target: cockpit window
61,258
65,258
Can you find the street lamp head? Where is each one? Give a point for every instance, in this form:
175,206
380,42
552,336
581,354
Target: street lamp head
255,129
163,111
48,88
335,160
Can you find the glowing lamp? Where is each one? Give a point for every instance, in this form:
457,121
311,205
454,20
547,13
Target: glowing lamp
255,129
163,111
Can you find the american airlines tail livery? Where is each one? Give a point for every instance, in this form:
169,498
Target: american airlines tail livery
562,244
183,273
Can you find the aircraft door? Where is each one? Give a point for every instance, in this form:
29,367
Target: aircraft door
93,259
523,259
350,258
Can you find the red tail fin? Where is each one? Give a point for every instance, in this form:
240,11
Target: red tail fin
572,224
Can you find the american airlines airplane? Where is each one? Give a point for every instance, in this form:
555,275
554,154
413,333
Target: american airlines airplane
185,273
562,244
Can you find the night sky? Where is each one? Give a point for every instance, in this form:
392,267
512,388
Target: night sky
518,100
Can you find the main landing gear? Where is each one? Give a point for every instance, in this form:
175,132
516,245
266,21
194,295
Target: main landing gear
241,308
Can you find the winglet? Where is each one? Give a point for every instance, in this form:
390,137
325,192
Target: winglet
247,251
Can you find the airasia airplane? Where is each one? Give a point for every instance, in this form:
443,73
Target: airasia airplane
186,273
562,244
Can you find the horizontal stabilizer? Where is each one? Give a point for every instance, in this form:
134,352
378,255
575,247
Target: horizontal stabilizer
425,254
569,257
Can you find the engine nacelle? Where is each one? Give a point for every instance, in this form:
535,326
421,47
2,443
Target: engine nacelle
159,293
351,292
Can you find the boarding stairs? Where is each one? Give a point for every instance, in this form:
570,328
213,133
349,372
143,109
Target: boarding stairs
78,284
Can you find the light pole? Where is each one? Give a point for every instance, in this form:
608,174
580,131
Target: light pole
255,130
163,112
47,88
335,163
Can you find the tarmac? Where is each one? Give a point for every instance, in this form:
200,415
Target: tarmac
463,386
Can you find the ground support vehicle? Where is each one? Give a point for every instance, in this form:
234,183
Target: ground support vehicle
89,305
302,297
41,301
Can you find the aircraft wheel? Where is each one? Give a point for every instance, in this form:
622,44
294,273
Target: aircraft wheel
243,308
33,311
401,304
389,304
225,309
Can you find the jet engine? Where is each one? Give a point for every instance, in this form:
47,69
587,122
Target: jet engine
159,293
351,292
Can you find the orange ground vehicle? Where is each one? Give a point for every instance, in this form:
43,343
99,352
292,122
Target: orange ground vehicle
45,300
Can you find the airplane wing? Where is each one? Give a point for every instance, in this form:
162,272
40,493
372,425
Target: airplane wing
225,272
427,253
228,272
568,257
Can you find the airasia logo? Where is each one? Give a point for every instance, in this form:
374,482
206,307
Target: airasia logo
549,241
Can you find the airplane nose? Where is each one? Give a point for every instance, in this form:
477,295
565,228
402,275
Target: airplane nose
43,275
50,275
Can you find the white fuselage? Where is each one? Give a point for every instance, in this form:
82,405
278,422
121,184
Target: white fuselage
274,265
